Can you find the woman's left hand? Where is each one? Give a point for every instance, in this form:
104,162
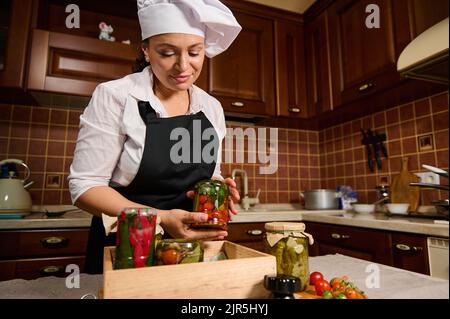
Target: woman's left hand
233,197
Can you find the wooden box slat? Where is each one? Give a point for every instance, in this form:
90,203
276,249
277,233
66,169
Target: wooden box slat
240,276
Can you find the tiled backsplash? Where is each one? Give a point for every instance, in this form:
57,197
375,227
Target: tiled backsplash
343,158
45,139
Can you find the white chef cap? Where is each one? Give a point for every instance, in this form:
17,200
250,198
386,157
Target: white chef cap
207,18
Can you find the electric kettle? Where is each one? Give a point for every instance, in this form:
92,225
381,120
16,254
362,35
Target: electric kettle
14,197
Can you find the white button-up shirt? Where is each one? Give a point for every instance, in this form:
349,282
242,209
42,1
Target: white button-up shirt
112,134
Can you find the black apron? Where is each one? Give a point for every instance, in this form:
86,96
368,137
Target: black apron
159,182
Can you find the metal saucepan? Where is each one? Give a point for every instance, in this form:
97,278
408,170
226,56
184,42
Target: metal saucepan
316,199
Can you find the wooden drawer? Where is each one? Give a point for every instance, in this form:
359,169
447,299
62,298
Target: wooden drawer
357,242
39,267
410,252
39,243
247,234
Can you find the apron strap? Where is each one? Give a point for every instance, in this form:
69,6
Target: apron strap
146,111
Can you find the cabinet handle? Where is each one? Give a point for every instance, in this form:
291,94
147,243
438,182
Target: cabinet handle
365,87
237,104
54,241
254,232
51,270
404,247
339,236
294,110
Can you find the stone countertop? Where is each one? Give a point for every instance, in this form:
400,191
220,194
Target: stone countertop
259,214
38,219
381,221
376,280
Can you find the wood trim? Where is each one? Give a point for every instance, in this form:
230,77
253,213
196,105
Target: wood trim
92,46
73,86
316,9
38,60
16,46
263,11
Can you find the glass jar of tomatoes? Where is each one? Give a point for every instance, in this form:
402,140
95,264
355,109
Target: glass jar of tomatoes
288,242
178,251
211,197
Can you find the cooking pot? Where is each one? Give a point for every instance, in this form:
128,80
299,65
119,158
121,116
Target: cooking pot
320,199
14,198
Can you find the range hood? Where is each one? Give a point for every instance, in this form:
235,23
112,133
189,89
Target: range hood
426,57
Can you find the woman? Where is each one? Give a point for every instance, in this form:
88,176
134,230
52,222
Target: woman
127,152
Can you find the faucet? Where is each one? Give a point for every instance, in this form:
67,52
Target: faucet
246,201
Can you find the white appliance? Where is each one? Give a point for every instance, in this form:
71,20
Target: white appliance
438,257
426,57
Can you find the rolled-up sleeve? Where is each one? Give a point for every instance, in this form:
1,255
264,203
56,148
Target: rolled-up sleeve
99,143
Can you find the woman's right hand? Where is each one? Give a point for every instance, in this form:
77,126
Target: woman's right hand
177,223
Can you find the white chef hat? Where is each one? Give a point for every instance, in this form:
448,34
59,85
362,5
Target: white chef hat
207,18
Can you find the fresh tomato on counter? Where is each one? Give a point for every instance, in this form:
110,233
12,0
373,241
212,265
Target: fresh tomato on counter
321,286
314,277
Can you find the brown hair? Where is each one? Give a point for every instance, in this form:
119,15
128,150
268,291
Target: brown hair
140,62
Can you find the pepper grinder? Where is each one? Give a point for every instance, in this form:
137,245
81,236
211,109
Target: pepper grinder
282,286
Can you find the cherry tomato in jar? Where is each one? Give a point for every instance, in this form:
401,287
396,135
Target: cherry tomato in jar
169,257
314,277
202,199
321,286
208,206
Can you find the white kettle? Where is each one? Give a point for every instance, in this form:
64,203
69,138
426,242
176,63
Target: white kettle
14,197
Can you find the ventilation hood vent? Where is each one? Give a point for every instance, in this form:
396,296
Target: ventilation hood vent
426,57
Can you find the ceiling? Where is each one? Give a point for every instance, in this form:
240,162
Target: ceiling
297,6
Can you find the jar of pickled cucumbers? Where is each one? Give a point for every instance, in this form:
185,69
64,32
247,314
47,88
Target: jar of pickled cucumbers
288,242
211,197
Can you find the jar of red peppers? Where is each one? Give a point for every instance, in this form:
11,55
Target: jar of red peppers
211,197
135,240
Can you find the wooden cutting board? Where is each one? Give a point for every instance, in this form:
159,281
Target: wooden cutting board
400,190
309,293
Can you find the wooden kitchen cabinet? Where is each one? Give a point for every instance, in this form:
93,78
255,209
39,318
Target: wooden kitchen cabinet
318,65
290,70
242,78
410,252
247,234
75,65
368,244
30,254
15,17
401,250
363,60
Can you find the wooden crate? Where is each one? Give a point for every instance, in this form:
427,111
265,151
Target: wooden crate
240,276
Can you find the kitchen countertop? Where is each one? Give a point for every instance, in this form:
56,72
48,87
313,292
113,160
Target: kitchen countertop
376,280
38,219
293,212
259,213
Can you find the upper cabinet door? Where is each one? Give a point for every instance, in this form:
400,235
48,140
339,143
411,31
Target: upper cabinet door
291,70
15,16
363,57
242,77
74,64
318,66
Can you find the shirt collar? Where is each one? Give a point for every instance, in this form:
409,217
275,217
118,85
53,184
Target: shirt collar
142,91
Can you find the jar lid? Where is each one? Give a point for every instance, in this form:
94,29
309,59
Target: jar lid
285,226
282,284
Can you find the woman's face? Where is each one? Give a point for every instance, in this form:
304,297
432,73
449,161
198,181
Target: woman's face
176,59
